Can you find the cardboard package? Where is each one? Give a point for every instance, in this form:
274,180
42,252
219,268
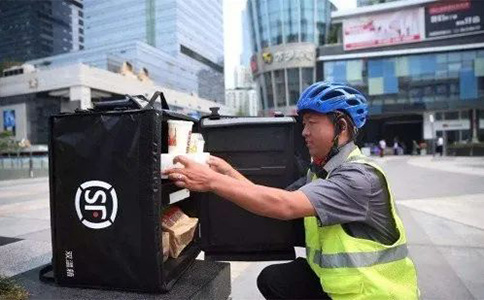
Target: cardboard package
181,229
165,236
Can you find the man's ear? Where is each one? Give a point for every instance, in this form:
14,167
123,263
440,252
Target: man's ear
342,125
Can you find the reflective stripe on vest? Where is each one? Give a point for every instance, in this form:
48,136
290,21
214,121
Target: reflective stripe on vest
358,259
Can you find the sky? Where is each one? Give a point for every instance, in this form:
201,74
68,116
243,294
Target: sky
233,33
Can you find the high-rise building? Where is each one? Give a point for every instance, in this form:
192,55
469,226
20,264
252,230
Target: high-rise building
33,29
285,34
191,31
243,97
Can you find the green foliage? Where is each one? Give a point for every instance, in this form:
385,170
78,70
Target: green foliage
11,290
8,142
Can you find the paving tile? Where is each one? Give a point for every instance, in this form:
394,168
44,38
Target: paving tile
464,209
24,255
467,264
437,278
13,227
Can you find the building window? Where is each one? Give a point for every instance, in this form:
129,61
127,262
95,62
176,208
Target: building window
280,83
252,28
263,23
293,85
307,77
307,21
275,23
464,115
451,115
261,93
269,93
464,135
438,116
291,20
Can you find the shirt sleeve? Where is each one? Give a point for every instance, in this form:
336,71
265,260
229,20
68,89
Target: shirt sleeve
342,198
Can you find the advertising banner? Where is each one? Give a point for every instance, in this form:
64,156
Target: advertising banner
456,17
384,29
9,120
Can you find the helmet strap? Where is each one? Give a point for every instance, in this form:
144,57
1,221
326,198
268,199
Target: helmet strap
335,148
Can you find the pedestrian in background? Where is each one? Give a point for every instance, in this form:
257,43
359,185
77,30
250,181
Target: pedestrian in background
395,146
440,145
382,145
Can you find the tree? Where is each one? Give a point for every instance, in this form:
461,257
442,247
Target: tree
8,142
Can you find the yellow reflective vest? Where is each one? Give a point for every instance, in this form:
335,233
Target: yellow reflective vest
354,268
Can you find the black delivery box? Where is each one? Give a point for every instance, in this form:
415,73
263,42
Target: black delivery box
106,195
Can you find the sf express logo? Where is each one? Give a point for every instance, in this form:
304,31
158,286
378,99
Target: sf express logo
96,204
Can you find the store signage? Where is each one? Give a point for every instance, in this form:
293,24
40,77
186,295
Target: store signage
455,17
297,55
267,57
288,55
96,204
385,29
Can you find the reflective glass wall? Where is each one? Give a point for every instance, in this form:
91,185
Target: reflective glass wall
286,22
275,22
444,80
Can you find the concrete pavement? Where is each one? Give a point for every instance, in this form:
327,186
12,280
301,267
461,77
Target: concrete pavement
441,202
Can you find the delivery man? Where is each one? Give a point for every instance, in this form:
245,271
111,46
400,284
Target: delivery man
355,241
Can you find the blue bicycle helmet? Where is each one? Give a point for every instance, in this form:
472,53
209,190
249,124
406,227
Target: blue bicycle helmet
327,97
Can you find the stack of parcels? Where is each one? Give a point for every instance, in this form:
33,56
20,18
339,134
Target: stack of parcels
178,231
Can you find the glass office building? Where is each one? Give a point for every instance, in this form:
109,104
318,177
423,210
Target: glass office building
189,31
32,29
284,35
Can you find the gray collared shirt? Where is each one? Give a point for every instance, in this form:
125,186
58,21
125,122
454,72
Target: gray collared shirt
354,195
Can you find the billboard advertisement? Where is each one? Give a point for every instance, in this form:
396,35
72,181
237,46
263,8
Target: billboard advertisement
9,120
455,17
385,29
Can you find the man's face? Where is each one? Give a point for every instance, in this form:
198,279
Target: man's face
318,133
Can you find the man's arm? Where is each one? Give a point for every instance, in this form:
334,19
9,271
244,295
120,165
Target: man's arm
221,166
258,199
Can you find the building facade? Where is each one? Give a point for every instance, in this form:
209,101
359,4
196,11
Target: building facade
285,35
421,64
27,99
361,3
190,31
32,29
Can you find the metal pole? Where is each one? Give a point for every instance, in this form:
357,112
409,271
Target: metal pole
31,166
474,124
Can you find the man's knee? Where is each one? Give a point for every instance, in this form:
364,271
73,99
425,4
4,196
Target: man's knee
263,282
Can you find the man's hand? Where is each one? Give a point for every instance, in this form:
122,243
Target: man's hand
195,176
219,165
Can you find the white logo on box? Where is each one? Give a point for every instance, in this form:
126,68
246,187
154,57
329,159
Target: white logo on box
96,204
